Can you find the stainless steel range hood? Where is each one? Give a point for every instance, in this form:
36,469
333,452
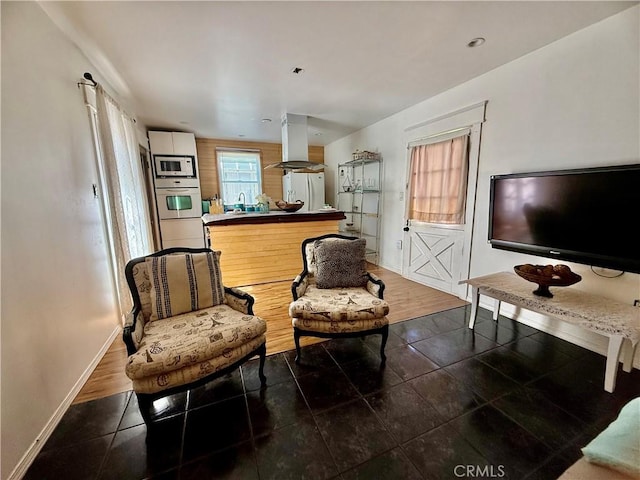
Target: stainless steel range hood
295,145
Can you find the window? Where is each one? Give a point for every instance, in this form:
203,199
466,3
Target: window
239,173
438,181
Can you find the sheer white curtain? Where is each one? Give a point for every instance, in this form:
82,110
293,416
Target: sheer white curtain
128,214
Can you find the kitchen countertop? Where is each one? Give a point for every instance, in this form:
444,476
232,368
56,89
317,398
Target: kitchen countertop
274,216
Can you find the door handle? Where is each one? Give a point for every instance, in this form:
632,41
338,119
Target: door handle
406,226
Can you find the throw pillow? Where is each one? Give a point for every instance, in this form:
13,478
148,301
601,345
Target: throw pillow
618,446
183,283
340,263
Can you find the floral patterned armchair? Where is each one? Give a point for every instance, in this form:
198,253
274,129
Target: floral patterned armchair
335,296
186,328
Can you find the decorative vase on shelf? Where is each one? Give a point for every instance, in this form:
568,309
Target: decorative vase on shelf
346,185
263,208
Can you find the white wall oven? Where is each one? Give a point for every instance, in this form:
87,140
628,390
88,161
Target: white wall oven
178,203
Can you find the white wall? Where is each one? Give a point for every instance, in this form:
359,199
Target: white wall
573,103
58,308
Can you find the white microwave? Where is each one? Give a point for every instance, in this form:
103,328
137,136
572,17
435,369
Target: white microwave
175,166
178,203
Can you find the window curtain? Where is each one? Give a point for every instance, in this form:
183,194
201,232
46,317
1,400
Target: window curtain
438,181
127,209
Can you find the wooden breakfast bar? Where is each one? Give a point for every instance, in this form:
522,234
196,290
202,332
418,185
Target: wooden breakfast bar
265,247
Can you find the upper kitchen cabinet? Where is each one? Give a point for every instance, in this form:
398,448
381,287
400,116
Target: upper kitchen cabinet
172,143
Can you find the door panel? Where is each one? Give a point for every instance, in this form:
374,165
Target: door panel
433,256
441,254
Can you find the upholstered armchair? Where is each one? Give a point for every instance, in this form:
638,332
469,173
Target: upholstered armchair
335,296
186,328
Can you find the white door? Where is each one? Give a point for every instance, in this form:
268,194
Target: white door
439,256
433,255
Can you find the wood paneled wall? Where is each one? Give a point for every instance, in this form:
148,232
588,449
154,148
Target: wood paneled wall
270,153
268,252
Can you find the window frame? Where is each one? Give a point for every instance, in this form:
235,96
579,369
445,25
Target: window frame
256,161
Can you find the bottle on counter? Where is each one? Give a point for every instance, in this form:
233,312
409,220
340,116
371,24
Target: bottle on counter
216,206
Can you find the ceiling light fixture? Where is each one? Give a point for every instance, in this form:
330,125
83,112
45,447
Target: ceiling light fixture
476,42
297,70
266,120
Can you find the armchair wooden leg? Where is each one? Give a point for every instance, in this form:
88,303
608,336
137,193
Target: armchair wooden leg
296,339
263,356
144,404
383,343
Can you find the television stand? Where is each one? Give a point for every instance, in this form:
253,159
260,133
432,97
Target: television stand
616,320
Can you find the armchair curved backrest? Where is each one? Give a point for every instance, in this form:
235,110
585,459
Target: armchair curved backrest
137,278
307,276
308,258
344,300
185,328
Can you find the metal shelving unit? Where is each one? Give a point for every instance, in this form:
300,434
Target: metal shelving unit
359,185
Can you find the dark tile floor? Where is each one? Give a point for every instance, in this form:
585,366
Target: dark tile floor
507,399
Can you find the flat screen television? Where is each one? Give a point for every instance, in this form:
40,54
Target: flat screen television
589,216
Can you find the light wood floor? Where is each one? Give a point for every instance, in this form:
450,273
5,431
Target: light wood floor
406,299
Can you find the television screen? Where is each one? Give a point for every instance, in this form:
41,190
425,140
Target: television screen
588,216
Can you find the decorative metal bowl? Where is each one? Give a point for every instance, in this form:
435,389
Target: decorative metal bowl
290,207
547,276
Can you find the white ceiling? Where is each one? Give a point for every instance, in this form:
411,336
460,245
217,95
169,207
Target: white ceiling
218,68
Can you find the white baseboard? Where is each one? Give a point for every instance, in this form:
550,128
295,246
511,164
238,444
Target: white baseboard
32,452
389,267
563,330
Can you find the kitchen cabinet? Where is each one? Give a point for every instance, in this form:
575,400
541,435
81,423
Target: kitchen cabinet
182,232
359,185
172,143
177,188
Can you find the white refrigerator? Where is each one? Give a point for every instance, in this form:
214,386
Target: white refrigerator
308,187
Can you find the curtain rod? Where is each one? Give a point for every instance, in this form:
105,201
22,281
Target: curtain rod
89,77
95,85
447,132
444,136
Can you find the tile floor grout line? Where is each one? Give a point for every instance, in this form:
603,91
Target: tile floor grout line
586,421
313,416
